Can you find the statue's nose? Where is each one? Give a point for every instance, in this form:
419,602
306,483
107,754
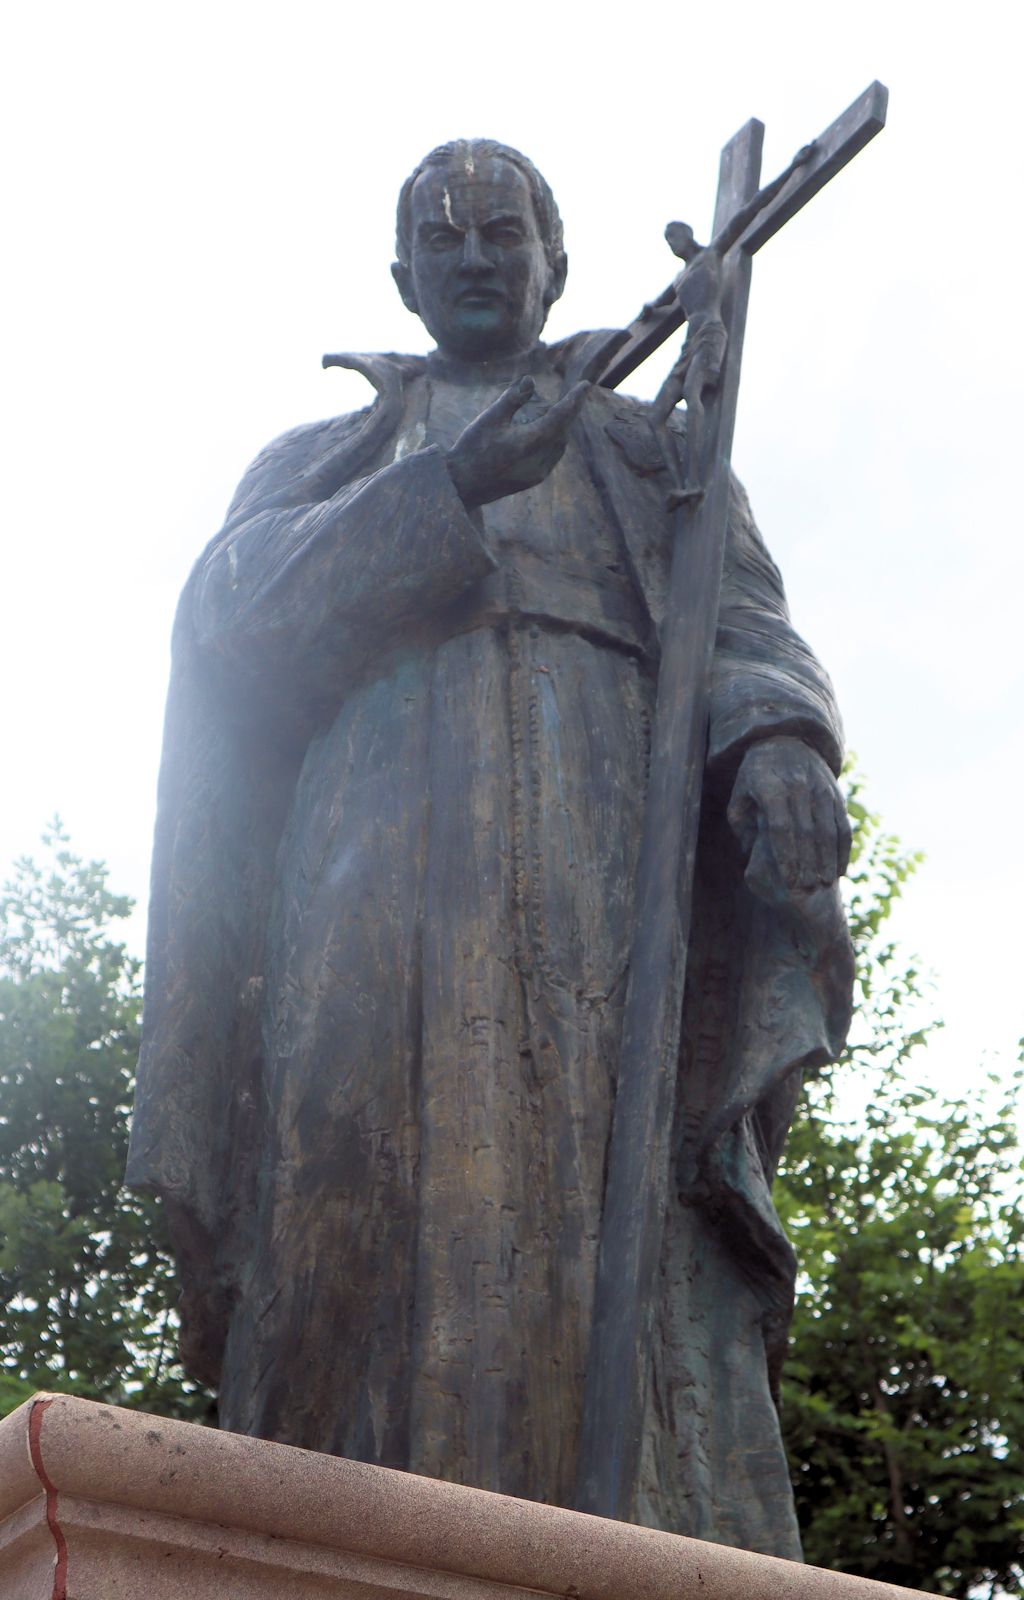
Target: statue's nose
473,257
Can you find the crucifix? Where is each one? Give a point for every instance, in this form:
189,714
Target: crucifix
639,1157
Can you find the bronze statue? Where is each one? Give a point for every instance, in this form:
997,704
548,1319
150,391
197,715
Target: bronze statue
407,747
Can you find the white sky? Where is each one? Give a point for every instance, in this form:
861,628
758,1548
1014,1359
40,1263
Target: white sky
200,201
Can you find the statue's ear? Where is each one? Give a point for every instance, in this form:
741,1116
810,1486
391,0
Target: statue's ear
556,280
403,278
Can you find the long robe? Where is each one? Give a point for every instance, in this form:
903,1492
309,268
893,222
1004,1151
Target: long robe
390,930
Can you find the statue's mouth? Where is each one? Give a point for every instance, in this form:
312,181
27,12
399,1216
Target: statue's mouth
480,297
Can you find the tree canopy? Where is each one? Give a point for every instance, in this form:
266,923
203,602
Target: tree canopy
903,1397
87,1285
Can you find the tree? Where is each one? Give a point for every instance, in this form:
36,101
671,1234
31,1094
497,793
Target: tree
903,1401
87,1285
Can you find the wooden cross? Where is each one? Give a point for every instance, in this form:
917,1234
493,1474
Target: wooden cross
636,1189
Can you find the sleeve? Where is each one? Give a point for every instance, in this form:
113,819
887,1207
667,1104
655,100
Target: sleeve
766,680
307,590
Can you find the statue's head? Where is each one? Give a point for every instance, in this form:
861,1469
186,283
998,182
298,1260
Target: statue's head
681,241
480,255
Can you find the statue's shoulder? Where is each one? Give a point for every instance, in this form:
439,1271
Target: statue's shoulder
307,441
388,372
286,459
289,457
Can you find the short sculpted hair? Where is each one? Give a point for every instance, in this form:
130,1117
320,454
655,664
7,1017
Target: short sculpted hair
464,152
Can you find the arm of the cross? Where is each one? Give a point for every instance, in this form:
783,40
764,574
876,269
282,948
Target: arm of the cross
837,145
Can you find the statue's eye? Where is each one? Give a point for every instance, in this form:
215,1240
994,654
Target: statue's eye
505,233
441,239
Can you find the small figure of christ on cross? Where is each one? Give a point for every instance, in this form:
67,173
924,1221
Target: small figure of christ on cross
699,292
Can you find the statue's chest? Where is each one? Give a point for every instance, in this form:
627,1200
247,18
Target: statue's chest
560,550
561,520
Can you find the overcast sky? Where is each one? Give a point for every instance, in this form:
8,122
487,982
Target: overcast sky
200,201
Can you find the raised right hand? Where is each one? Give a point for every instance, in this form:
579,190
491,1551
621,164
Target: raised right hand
495,456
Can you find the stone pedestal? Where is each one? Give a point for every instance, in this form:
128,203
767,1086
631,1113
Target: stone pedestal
97,1503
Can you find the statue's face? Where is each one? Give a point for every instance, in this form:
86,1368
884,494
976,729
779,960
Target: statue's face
478,275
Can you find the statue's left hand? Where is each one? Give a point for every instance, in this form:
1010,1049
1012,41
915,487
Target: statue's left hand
789,816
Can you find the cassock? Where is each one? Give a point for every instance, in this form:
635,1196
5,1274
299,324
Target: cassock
399,817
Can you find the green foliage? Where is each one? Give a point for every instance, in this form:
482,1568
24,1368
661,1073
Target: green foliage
903,1401
87,1285
890,1018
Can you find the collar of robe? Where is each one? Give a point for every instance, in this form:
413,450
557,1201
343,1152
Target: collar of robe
479,374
